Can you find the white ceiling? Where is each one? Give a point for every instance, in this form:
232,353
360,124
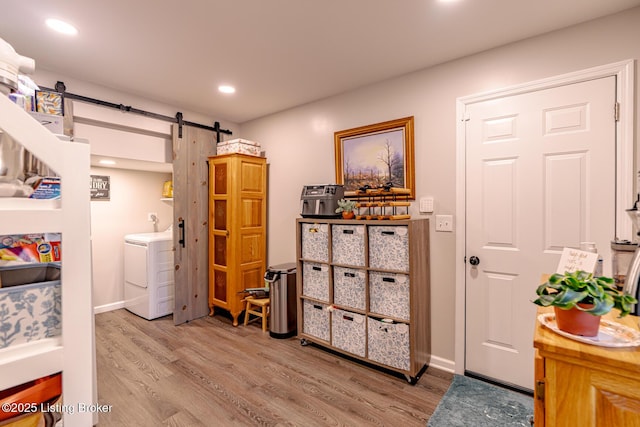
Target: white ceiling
278,53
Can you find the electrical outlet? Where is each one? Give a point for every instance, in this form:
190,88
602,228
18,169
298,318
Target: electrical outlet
444,222
152,217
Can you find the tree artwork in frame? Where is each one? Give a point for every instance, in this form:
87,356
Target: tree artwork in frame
376,156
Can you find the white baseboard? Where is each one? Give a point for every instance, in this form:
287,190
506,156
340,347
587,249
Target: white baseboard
442,364
108,307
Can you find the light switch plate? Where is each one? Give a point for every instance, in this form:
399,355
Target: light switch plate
426,205
444,222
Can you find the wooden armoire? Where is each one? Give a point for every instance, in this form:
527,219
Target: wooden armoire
237,229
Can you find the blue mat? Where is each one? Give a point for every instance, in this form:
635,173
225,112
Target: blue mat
471,402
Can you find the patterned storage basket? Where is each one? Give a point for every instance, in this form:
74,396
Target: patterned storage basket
348,332
315,280
347,244
389,343
31,311
349,287
315,242
389,248
315,320
389,294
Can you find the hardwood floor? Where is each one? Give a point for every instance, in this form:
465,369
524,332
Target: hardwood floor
209,373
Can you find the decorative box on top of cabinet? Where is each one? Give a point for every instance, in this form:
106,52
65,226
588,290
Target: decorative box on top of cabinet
363,290
579,384
237,229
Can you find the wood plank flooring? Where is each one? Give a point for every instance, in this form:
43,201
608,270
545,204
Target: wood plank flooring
209,373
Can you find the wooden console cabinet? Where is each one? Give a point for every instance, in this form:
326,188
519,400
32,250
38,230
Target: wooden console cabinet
585,385
237,229
363,290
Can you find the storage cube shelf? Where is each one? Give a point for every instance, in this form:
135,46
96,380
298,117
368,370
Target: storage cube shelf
348,332
315,243
349,288
347,244
371,301
389,343
316,320
389,248
315,280
389,294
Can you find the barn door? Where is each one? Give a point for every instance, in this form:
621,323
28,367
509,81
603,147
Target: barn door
190,226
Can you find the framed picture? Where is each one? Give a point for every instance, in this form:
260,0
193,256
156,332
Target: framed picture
376,155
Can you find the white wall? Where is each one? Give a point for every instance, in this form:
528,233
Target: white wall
299,142
133,195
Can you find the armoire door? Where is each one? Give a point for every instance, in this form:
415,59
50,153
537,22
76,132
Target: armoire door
221,244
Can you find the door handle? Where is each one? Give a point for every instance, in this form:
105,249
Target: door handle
182,232
474,260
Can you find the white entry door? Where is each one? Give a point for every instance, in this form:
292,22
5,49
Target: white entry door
540,176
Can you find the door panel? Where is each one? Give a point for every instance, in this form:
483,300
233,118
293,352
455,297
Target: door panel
191,208
540,176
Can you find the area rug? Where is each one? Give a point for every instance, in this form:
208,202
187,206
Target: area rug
471,402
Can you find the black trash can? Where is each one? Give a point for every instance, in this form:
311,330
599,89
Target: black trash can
281,280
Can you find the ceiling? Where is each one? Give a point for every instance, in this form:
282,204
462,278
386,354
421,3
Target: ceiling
277,53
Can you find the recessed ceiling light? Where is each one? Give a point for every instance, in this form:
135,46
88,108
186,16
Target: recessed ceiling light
61,27
226,89
107,162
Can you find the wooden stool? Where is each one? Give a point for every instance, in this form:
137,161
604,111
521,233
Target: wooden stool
263,303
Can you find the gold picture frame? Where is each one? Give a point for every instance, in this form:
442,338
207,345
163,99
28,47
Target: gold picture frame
376,155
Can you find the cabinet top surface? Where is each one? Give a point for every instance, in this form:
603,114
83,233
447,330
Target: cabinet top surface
240,155
549,341
359,221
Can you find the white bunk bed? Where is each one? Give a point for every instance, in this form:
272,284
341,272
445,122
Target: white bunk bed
72,351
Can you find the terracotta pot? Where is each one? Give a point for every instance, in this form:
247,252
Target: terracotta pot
348,215
577,322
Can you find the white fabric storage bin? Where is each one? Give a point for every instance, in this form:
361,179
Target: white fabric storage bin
349,287
240,146
389,294
388,343
389,248
348,332
347,244
315,242
315,281
315,320
30,303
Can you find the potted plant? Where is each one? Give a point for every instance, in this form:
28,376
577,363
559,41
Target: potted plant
580,299
346,206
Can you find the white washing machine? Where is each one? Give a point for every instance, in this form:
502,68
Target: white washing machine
148,274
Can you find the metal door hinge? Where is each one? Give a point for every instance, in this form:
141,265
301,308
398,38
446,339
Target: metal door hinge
465,117
540,390
616,111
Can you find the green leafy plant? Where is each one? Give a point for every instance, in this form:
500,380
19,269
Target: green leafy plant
345,205
579,287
